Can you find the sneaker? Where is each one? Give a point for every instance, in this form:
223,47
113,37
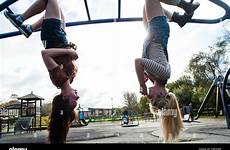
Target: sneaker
15,19
26,30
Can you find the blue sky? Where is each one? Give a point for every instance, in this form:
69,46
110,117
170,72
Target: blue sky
106,51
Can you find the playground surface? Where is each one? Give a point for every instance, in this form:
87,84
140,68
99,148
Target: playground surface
201,131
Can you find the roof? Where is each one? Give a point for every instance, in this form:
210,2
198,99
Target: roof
30,97
15,106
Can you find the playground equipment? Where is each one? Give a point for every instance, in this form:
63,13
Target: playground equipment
219,3
225,96
119,18
6,4
222,86
129,120
81,121
23,124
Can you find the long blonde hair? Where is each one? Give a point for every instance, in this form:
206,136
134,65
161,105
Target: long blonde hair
170,118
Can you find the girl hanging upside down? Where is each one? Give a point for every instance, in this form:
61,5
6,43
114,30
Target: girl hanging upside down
154,65
59,57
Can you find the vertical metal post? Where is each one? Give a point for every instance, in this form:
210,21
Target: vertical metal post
217,100
40,114
0,128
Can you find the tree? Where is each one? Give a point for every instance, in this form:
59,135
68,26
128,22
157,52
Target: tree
130,100
46,109
183,89
203,68
143,104
118,112
206,66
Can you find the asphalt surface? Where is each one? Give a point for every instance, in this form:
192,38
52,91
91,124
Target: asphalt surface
202,131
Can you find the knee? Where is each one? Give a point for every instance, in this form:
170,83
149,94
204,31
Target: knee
138,61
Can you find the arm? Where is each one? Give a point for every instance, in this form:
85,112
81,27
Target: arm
140,75
49,54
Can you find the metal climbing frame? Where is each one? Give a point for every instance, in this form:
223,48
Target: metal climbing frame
222,86
221,4
119,18
225,93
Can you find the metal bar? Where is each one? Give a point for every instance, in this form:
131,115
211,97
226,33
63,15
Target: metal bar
9,10
7,3
0,128
205,101
77,23
223,98
119,9
87,10
103,21
205,21
210,91
212,21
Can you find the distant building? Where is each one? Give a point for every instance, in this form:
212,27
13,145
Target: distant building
100,112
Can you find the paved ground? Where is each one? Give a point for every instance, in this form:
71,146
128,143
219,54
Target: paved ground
202,131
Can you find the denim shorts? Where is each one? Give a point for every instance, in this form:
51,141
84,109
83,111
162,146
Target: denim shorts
52,35
158,30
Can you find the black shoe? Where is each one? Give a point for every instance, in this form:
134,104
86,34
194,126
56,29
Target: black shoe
26,30
15,19
181,20
188,7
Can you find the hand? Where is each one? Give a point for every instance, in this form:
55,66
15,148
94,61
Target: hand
145,77
72,45
143,90
73,54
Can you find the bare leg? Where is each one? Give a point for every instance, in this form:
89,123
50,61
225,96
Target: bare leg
145,19
35,26
38,23
168,14
153,9
63,20
53,10
36,8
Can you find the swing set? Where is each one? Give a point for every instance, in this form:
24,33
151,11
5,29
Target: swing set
221,83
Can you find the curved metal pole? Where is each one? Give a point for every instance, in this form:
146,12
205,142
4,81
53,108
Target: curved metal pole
212,21
206,21
6,3
225,98
77,23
